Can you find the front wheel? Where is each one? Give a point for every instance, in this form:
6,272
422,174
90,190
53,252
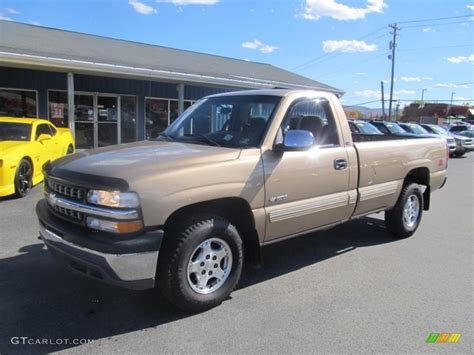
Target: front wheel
404,218
200,263
23,178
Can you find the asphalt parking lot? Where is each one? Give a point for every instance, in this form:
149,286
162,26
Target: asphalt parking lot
350,289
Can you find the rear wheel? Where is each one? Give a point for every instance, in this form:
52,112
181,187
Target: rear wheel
23,178
200,263
459,155
404,218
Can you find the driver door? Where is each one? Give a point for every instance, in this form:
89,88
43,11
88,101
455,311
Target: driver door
306,189
45,148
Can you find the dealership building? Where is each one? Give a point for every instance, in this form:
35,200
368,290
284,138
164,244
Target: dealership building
110,91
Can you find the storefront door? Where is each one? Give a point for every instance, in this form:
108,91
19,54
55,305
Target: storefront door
96,120
107,120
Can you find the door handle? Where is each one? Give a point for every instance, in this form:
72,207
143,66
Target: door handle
340,164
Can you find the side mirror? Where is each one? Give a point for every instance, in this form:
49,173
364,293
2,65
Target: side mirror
296,140
44,137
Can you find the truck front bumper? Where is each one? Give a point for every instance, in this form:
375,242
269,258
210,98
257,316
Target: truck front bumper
129,263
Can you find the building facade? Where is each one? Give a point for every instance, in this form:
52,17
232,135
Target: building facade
110,91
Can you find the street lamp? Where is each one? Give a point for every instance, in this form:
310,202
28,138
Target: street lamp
422,95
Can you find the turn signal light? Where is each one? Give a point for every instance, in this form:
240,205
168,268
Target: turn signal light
114,226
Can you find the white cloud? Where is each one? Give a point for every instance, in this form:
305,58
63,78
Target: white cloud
417,79
11,11
6,18
428,29
36,23
405,92
142,8
257,44
461,59
360,73
370,94
315,9
252,45
386,81
330,46
470,7
247,60
451,85
190,2
267,48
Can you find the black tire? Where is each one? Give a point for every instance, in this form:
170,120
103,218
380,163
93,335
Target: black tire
178,249
459,155
70,149
396,219
23,178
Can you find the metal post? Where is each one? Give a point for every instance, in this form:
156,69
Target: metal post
70,102
393,45
180,89
450,104
383,101
422,95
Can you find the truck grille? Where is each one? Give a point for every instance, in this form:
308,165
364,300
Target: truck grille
75,193
69,213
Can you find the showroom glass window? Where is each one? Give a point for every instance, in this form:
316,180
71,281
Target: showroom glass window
18,103
58,108
156,116
128,118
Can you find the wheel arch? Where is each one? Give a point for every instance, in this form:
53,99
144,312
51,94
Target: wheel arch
421,176
234,209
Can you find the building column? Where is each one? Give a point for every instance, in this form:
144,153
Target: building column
180,88
70,102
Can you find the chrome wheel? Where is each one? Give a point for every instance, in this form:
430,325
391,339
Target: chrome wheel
411,211
209,266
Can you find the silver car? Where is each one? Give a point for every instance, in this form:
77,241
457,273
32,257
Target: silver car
462,144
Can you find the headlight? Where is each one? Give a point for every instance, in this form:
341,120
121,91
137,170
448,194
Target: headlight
114,226
113,198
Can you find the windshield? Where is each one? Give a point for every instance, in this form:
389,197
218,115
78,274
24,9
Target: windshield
227,121
439,130
367,128
12,131
394,128
414,128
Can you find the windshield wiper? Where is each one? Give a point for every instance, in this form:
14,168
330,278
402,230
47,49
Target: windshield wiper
205,138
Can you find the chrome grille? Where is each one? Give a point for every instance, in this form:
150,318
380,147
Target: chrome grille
69,213
67,191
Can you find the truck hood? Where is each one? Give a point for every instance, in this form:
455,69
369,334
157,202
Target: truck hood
135,160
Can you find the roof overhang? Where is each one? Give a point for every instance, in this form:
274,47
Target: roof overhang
72,65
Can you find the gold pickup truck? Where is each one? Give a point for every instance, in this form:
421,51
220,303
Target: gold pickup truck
233,173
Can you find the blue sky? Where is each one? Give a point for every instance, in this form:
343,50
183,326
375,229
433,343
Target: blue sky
325,40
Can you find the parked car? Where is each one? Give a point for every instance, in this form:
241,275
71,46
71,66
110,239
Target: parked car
224,180
463,144
458,128
417,129
363,127
391,128
469,133
25,145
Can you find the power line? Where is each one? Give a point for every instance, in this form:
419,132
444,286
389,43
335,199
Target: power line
435,19
437,47
434,24
311,61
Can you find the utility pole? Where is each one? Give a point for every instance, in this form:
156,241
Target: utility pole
451,103
393,45
422,95
383,101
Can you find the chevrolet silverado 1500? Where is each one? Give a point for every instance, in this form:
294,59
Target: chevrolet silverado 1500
233,173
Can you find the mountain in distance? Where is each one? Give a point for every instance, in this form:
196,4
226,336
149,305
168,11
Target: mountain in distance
366,111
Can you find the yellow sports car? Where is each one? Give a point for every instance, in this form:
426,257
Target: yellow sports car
25,145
